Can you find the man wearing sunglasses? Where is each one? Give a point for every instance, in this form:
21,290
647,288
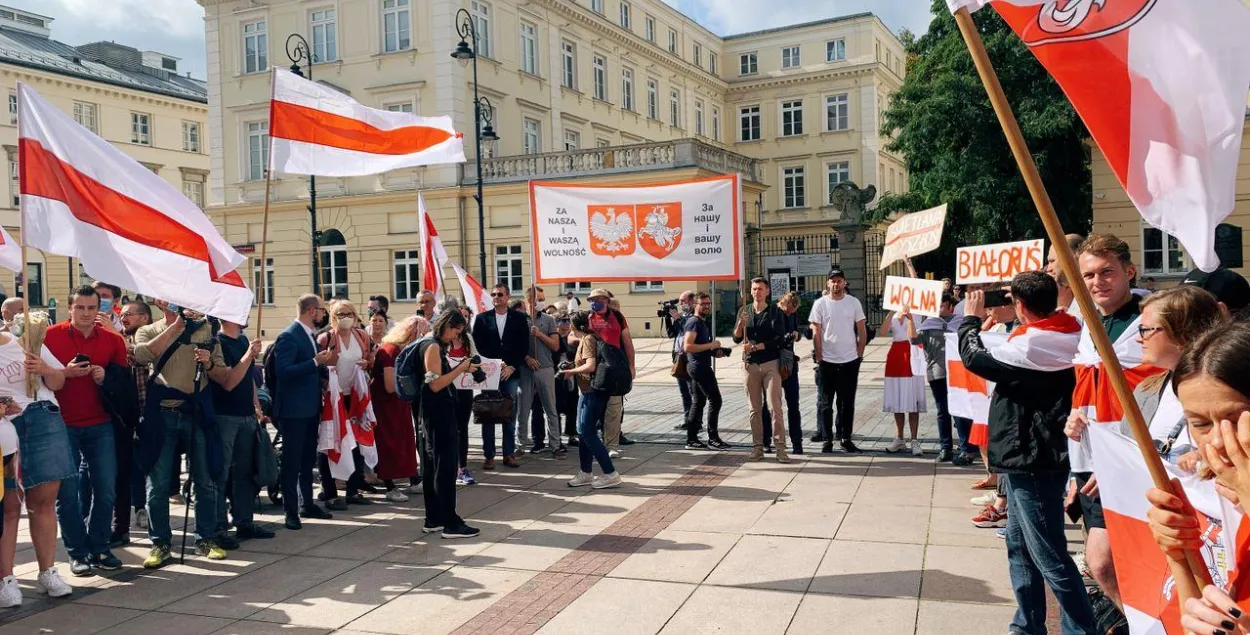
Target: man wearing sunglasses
503,334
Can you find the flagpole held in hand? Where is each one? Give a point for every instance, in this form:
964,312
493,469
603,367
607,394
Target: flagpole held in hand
1191,575
264,219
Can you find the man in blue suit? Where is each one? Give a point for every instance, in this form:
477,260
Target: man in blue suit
297,408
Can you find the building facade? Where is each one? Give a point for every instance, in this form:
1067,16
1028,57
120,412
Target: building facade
136,100
601,90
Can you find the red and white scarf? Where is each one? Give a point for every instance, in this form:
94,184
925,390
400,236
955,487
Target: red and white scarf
344,429
1046,345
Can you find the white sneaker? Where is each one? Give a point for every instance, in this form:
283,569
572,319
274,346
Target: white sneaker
606,481
10,593
582,479
614,454
396,496
141,518
53,585
415,489
896,445
916,450
985,499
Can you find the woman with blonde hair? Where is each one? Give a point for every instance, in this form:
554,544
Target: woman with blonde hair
347,335
32,437
395,435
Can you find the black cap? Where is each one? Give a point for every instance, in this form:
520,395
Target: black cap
1225,284
836,272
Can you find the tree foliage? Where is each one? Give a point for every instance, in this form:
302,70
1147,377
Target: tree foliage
941,121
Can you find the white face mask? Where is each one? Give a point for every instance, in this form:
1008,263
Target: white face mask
347,323
540,305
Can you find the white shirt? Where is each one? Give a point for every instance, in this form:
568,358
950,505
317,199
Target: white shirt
574,304
13,384
349,355
310,333
1167,416
501,319
838,334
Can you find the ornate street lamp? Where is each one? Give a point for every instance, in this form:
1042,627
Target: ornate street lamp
298,51
466,52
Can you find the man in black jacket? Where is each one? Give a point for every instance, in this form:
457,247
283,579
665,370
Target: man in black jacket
1034,378
503,334
762,326
677,330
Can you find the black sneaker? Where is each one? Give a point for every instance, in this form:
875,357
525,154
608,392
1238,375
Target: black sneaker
696,445
573,442
680,426
850,447
768,449
718,444
430,529
961,459
293,522
312,511
798,449
119,538
463,531
106,560
626,441
818,438
253,532
827,448
80,567
538,447
944,455
561,451
227,542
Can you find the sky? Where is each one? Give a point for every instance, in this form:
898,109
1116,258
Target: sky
176,27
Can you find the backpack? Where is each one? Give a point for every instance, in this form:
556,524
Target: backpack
270,364
410,371
612,374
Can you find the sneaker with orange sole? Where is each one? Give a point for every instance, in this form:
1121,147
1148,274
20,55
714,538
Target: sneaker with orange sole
990,518
989,482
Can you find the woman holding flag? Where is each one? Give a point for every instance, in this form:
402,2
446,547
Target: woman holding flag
355,352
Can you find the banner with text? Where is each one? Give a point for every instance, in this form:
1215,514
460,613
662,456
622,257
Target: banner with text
493,368
923,297
999,262
677,231
914,234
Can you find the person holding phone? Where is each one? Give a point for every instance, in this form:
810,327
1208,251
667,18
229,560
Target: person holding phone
439,428
904,390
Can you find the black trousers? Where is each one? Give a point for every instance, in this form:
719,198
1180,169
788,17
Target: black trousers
299,455
464,411
687,395
440,462
838,383
706,393
124,450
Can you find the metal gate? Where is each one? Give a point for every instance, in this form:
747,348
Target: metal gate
798,263
874,242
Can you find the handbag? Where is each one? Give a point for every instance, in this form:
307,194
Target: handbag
679,370
265,459
786,363
491,407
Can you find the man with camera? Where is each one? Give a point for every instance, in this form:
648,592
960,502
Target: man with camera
184,354
699,348
678,313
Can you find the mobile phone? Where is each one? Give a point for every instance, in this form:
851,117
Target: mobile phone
80,358
996,298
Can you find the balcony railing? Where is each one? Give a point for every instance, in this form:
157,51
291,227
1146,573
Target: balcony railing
665,155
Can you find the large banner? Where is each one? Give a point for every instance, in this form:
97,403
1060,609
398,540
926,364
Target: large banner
678,231
914,234
999,262
923,297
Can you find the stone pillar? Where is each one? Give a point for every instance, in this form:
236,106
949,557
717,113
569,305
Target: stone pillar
851,256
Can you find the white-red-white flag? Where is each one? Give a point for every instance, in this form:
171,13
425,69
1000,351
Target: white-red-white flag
315,129
475,297
433,255
344,429
1169,118
10,252
1146,585
84,198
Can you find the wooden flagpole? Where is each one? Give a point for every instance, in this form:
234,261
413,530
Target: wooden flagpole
264,223
1192,575
32,388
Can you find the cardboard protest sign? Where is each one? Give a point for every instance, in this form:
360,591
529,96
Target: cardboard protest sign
914,234
492,367
923,297
999,262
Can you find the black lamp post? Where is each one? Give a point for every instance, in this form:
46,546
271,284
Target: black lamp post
482,110
297,51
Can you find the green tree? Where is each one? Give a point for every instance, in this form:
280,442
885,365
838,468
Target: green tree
941,121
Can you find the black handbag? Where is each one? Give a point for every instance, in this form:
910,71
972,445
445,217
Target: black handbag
265,459
491,407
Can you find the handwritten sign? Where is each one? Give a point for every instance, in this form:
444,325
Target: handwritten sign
914,234
493,368
999,262
923,297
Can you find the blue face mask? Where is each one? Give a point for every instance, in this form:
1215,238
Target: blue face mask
106,305
597,306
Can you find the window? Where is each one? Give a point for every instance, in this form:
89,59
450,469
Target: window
672,41
748,64
257,150
603,143
190,136
649,28
529,48
794,186
34,284
531,142
324,41
791,118
141,128
481,24
837,113
13,109
15,183
674,108
255,48
572,140
698,117
407,274
627,88
396,26
1159,256
647,286
576,288
698,55
508,268
194,190
332,254
790,57
625,21
265,290
653,99
569,54
749,123
711,62
596,6
85,115
837,172
400,106
601,78
835,50
796,245
715,123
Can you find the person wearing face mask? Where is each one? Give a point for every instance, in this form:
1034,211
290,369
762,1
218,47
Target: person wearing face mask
110,306
355,354
610,326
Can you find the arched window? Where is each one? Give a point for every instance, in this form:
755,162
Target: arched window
333,256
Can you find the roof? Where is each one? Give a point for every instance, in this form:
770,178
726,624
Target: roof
32,51
791,27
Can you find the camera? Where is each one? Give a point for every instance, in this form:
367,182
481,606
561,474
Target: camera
565,365
479,375
666,308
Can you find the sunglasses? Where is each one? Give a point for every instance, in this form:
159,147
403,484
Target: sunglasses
498,295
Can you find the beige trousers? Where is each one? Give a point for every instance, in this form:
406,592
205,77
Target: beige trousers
761,379
612,422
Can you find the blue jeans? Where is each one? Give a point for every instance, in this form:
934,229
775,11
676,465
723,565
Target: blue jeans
964,428
510,387
179,427
590,411
1037,551
86,532
938,386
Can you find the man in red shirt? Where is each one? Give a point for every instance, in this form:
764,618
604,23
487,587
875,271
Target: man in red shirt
86,350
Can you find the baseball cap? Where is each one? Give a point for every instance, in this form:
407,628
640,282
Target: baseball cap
836,272
1225,284
598,293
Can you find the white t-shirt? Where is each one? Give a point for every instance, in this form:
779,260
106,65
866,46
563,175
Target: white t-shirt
574,304
501,319
1170,413
13,384
837,320
349,355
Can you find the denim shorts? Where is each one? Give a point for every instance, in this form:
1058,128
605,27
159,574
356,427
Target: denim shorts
43,446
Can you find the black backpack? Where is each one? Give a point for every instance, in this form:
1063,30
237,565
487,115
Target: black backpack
410,370
612,374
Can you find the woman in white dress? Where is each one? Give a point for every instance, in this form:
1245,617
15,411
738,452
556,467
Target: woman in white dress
904,390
